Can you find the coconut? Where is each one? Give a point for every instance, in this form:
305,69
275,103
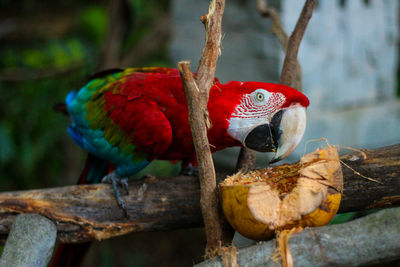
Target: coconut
308,193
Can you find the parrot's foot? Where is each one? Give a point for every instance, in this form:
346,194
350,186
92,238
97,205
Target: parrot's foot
115,180
190,170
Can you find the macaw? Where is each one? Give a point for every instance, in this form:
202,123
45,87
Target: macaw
127,118
130,117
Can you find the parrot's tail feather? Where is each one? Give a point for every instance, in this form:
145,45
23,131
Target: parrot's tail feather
95,169
69,255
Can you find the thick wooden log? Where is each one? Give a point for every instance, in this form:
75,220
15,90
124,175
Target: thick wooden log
382,164
88,212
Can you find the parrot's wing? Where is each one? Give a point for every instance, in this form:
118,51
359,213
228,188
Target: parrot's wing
126,129
141,122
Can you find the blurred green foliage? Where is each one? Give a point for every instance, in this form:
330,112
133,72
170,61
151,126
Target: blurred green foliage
56,54
48,49
94,23
31,133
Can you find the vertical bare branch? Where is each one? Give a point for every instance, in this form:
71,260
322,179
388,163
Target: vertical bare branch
208,197
197,93
246,160
212,47
277,29
288,74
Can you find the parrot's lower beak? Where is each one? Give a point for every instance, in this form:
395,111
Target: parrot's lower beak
265,137
291,129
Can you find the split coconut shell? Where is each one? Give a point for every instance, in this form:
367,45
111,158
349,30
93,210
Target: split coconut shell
307,193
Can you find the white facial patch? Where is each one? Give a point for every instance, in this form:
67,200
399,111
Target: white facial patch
254,109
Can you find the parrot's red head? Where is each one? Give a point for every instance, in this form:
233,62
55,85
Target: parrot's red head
264,117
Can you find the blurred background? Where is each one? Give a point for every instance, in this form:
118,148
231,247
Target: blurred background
349,58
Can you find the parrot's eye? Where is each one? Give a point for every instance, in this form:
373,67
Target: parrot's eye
260,97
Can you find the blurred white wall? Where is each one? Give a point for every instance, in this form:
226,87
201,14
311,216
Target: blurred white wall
349,61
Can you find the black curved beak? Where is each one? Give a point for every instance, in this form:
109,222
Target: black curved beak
266,137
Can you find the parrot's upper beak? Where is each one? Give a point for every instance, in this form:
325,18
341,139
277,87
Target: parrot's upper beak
281,135
292,127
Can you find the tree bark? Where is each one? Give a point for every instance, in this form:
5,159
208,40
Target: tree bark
90,212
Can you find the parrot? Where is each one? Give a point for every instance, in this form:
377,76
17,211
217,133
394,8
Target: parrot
125,118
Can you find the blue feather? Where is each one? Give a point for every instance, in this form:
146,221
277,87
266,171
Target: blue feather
70,97
76,137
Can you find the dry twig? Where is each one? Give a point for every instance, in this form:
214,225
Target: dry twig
197,94
288,74
212,48
291,70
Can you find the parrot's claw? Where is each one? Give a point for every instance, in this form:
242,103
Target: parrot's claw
115,180
124,184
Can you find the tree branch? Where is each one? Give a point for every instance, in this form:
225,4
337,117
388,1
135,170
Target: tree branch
277,29
246,160
90,212
212,47
371,239
209,202
197,94
288,73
